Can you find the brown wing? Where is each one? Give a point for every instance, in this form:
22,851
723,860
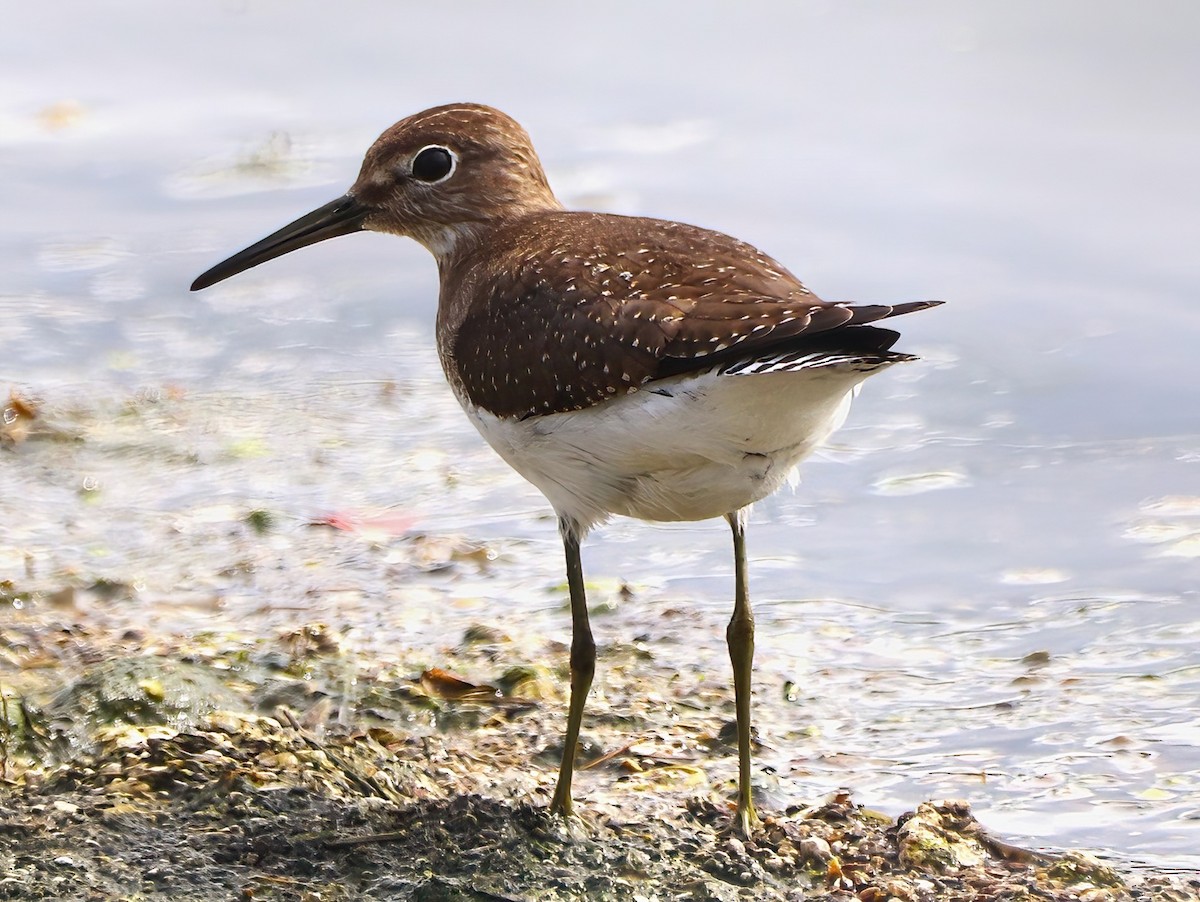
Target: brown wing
600,305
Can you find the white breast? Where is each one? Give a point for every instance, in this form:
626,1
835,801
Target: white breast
686,448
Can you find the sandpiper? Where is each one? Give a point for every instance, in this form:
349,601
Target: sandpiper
623,365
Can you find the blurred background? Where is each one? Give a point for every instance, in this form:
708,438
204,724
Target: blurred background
986,588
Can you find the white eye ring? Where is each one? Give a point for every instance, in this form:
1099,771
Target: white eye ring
430,171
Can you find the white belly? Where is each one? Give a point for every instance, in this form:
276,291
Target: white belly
686,448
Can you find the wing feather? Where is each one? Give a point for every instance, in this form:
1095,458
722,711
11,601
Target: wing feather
547,337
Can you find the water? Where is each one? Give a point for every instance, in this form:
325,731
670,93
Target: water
986,588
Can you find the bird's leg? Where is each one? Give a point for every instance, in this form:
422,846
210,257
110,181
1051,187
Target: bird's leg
740,638
583,667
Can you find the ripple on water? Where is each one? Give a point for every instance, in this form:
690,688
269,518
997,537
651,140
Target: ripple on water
917,483
275,161
81,255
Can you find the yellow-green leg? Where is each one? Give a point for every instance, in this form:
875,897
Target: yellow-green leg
583,668
740,638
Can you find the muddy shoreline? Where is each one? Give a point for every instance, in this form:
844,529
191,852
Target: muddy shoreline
293,770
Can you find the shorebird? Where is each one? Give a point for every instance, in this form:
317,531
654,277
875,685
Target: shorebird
623,365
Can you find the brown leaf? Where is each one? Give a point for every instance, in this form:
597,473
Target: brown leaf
440,683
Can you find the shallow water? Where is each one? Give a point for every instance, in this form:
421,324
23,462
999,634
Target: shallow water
986,586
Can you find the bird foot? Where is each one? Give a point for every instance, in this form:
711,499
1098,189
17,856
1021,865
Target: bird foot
561,825
746,822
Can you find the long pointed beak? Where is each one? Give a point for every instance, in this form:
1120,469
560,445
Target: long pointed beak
339,217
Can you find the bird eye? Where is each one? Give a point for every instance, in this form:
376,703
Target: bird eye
433,164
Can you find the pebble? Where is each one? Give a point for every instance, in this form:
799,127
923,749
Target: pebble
637,860
814,848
